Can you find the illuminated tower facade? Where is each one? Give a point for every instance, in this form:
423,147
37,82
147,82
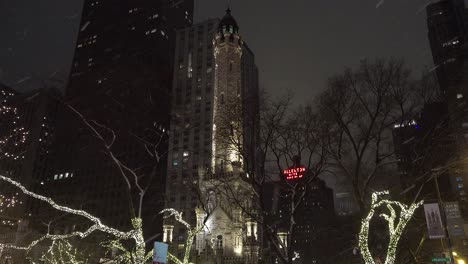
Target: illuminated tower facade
227,115
212,147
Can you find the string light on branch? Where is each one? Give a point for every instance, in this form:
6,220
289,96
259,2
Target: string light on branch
136,234
395,227
61,251
15,135
8,202
191,233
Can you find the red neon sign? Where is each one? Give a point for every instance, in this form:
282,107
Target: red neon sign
294,173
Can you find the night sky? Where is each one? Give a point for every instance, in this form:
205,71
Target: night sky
298,43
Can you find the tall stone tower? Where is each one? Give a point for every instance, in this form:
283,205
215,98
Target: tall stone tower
227,114
229,233
215,89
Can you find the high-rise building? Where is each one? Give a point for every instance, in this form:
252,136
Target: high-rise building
27,132
313,218
215,83
27,162
423,144
446,33
120,81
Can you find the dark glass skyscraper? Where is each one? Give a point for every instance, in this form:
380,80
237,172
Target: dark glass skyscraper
124,53
120,79
446,33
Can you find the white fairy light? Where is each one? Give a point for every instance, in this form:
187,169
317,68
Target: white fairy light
17,135
136,234
191,233
61,251
8,202
395,232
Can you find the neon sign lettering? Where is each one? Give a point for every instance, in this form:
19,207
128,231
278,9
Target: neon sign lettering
294,173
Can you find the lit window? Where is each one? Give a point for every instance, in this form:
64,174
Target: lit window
66,175
186,154
156,15
460,185
175,163
55,177
459,96
162,33
153,30
80,45
459,179
61,176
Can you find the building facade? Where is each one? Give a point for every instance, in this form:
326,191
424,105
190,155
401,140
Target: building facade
120,79
215,91
314,217
447,34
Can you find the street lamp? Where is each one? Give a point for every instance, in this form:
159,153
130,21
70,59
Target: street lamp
460,261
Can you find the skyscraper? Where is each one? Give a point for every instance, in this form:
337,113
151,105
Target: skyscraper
313,217
120,81
215,84
446,24
447,33
124,54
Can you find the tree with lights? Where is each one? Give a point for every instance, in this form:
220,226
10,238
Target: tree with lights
13,139
191,234
13,135
62,251
136,255
360,107
396,225
126,246
366,111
